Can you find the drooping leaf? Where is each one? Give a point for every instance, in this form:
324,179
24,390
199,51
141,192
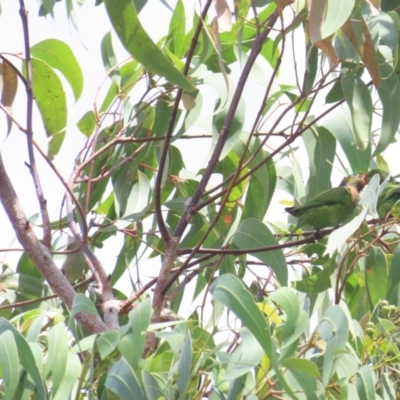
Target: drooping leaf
177,30
8,89
376,275
326,17
50,98
26,357
334,330
359,101
59,55
109,59
135,39
230,291
254,234
340,126
320,146
122,380
389,94
10,364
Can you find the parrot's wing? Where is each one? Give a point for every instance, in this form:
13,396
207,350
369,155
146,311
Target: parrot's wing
337,195
391,190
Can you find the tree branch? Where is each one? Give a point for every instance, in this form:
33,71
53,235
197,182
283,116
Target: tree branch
29,130
40,254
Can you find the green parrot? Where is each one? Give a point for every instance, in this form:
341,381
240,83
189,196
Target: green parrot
390,195
331,207
75,265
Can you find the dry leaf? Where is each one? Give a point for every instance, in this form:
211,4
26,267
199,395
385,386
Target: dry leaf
9,80
281,4
375,6
369,56
347,29
316,18
326,47
224,16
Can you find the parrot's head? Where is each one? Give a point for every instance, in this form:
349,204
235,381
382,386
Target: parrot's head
357,181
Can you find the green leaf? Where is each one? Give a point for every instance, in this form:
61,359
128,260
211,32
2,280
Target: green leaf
126,255
340,126
327,17
59,55
286,298
107,342
320,146
177,29
26,357
335,94
262,182
122,380
50,99
9,364
220,116
139,198
394,275
151,386
376,275
184,366
132,345
339,236
83,304
334,330
312,67
72,369
359,101
316,283
109,59
27,285
365,383
87,123
389,94
300,364
254,234
231,292
245,357
135,39
57,355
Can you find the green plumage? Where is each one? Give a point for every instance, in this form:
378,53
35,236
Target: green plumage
331,207
75,265
390,195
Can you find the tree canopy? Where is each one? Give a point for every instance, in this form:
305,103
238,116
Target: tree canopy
277,101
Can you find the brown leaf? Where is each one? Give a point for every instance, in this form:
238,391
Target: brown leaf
375,6
9,89
10,85
347,29
326,47
281,4
365,49
317,12
224,16
369,56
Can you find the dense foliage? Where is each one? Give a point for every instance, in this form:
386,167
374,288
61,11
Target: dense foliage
287,95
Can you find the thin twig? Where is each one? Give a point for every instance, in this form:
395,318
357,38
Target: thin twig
29,130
